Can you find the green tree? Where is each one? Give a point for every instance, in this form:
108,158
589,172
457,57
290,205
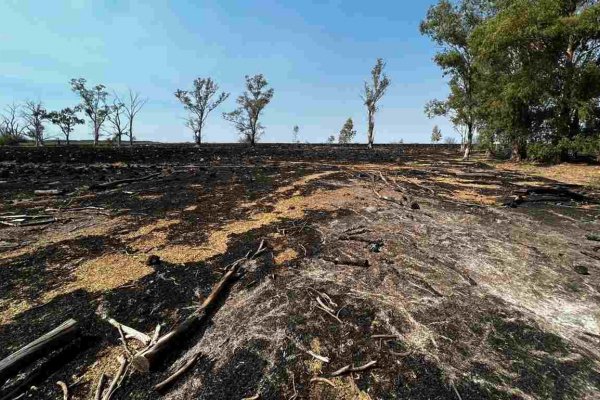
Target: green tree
200,102
295,133
347,133
436,134
372,93
538,62
450,26
93,104
331,139
251,105
66,119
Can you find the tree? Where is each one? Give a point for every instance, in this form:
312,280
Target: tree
66,119
331,139
347,132
251,104
436,134
34,115
118,120
295,132
131,107
11,126
372,93
93,104
540,62
199,103
450,26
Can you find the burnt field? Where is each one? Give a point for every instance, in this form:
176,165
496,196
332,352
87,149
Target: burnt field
393,273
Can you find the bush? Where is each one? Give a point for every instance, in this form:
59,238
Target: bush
7,139
553,153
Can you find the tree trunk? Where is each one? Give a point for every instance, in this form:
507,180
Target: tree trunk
130,133
119,140
371,128
516,152
469,142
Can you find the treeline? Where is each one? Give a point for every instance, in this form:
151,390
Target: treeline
524,75
110,115
107,115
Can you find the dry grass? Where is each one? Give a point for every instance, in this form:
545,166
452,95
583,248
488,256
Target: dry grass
586,175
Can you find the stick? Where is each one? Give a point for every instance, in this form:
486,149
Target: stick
109,185
44,344
113,384
133,333
348,368
156,334
65,389
143,360
167,382
327,381
318,357
49,192
98,395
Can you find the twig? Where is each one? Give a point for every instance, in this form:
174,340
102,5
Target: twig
384,336
167,382
329,313
323,380
156,334
98,395
318,357
324,306
349,368
65,389
455,390
123,340
114,384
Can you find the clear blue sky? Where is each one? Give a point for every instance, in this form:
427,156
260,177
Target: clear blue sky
315,54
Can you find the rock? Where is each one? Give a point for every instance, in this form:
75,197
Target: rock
371,209
582,270
153,260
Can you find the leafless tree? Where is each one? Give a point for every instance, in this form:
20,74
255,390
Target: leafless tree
251,104
199,103
372,93
34,115
131,107
93,104
10,122
117,119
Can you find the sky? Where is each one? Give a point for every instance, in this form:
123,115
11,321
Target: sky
315,54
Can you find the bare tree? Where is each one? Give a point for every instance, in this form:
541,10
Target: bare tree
93,104
66,119
251,104
34,114
11,124
372,93
131,107
118,120
199,103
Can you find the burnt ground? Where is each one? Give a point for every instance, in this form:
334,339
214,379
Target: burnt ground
481,275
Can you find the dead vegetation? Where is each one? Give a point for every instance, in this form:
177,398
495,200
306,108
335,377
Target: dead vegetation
421,278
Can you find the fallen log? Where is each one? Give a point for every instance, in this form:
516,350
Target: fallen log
44,344
112,184
144,360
